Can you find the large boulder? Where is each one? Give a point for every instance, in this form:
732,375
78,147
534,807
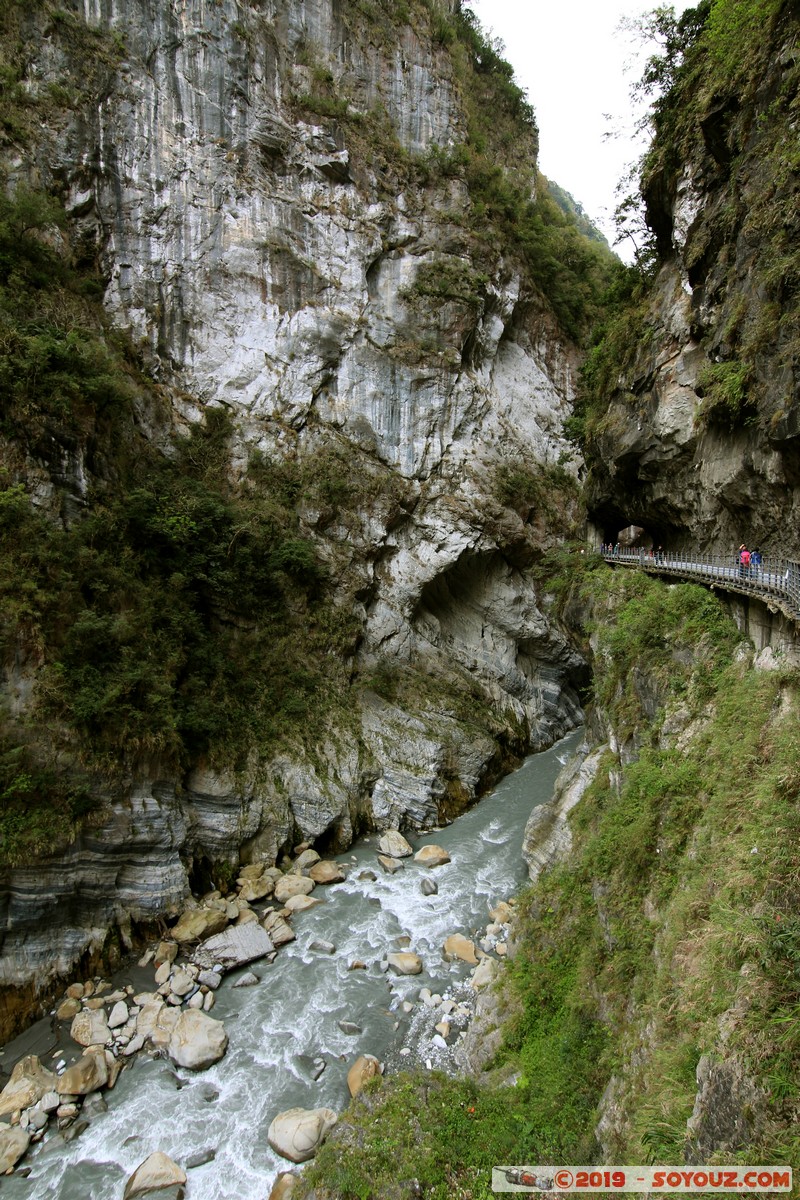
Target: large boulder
298,1133
634,535
326,872
118,1015
198,923
292,885
28,1083
395,845
257,889
365,1067
13,1144
155,1174
238,945
147,1017
457,946
181,982
432,856
88,1074
166,952
163,973
403,962
283,1187
485,973
197,1040
308,858
390,865
90,1028
251,871
280,932
161,1033
296,904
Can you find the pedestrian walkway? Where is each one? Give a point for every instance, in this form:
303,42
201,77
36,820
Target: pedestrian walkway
775,580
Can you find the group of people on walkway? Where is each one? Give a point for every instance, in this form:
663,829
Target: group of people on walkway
749,562
611,550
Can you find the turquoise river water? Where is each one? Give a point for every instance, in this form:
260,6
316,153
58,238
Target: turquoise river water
291,1017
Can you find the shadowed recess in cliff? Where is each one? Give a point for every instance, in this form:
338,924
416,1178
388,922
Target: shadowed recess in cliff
482,613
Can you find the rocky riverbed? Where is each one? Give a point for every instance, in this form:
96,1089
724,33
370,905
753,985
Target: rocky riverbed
320,973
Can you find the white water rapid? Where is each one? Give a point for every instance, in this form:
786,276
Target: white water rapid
291,1017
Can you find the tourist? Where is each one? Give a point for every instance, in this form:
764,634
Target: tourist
744,561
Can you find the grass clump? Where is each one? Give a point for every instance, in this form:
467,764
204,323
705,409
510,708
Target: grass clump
548,489
447,279
440,1135
656,625
727,402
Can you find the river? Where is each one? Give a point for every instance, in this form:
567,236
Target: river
291,1017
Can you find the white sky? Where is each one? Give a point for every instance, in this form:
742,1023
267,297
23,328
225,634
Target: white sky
571,59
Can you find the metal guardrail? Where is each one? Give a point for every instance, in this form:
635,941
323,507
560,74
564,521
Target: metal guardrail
774,580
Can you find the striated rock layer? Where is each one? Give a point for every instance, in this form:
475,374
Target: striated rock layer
243,175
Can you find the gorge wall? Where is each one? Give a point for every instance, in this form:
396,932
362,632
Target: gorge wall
340,374
691,398
648,1006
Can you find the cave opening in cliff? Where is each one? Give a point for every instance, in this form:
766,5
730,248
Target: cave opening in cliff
610,520
338,836
201,876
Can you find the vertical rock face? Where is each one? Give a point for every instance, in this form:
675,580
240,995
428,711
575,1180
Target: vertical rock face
260,182
261,250
696,435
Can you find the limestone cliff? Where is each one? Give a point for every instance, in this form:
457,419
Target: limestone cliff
692,396
300,222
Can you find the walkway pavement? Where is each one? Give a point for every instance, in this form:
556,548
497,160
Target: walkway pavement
775,580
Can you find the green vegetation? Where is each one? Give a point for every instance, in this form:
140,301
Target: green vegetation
624,330
59,374
175,614
548,493
727,400
92,57
573,208
677,905
444,1134
177,617
40,805
447,278
651,627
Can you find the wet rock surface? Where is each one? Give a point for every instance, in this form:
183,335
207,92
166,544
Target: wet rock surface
401,1023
